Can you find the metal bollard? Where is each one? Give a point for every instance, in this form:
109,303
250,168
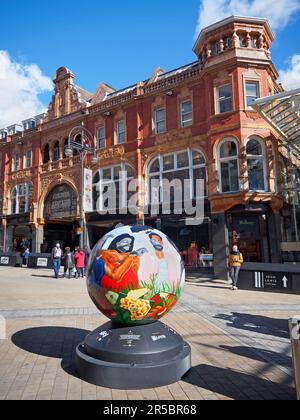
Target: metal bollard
294,324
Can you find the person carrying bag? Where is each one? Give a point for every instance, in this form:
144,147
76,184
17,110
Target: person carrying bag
236,261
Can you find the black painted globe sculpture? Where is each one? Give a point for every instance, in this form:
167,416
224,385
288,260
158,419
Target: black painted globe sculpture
135,275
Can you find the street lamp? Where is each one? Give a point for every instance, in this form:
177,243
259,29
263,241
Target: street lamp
84,148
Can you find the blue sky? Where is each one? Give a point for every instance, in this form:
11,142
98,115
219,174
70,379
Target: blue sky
119,42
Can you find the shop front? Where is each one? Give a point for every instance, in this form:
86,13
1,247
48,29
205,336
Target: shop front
254,229
99,225
194,241
18,229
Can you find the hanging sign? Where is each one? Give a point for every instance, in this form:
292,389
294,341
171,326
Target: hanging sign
88,191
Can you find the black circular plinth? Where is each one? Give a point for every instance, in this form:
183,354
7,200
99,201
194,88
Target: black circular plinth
139,357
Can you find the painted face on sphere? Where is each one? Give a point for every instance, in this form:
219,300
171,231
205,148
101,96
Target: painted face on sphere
124,245
157,243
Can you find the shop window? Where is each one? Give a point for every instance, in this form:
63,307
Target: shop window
228,167
160,120
252,93
20,198
101,138
115,178
256,165
224,98
186,114
188,165
46,154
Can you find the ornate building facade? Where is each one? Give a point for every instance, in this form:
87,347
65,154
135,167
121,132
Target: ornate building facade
195,122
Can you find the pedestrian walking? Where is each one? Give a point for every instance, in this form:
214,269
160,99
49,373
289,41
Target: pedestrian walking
79,258
69,262
87,251
235,263
25,256
56,259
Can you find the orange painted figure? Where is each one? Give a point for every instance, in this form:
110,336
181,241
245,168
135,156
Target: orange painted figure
121,266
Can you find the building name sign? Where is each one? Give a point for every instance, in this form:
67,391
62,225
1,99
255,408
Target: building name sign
61,203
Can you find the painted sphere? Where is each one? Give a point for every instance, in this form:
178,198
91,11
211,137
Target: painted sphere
135,275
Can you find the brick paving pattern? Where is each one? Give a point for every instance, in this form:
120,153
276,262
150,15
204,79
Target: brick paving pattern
240,342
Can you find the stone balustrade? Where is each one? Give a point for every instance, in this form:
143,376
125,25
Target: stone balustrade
237,39
60,164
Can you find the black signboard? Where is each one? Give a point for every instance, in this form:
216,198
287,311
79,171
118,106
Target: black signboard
60,204
273,281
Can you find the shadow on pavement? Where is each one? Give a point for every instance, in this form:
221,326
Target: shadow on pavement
261,355
257,323
237,385
54,342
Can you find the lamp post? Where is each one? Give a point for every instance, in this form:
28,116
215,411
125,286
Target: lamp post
86,146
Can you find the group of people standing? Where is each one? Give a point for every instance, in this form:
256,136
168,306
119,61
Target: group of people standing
74,263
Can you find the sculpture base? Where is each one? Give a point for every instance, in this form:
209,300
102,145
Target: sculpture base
139,357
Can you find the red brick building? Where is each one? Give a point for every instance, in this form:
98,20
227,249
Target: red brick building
196,121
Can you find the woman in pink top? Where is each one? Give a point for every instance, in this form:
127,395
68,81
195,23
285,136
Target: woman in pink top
79,258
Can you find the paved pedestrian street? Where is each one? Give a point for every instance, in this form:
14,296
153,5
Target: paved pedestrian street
240,341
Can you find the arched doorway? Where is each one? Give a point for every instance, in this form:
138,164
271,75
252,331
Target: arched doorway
60,212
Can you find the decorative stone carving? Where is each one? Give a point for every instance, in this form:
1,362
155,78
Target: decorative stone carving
173,136
22,175
111,153
252,115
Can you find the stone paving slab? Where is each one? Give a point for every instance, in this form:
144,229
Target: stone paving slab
37,363
240,342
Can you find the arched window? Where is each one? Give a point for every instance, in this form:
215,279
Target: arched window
228,166
185,165
113,179
256,163
56,152
20,198
46,154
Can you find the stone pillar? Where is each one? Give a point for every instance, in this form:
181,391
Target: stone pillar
37,238
220,241
265,240
275,237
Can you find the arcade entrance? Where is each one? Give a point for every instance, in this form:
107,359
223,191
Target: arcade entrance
60,215
64,233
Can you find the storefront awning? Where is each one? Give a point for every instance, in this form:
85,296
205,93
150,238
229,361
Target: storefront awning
282,111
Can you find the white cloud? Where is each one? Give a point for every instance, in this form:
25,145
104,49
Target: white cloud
290,77
20,86
279,12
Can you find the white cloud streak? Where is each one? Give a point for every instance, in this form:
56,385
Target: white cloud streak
290,77
20,86
279,12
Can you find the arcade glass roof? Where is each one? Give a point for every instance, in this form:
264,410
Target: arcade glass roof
282,111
